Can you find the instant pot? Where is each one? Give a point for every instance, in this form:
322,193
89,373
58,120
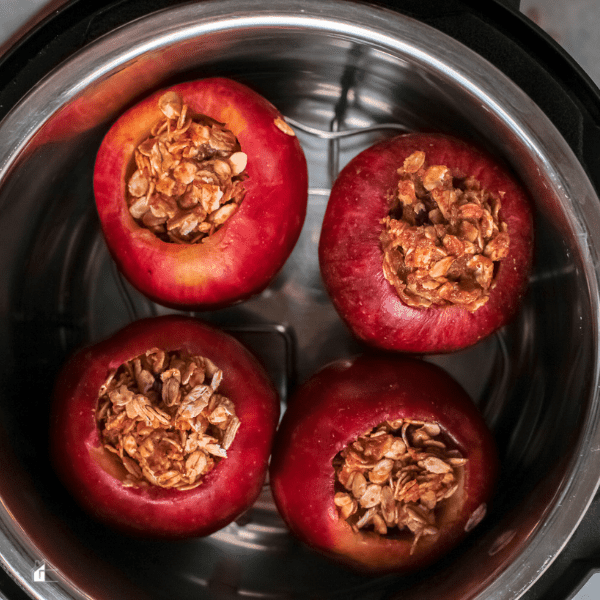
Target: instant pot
346,74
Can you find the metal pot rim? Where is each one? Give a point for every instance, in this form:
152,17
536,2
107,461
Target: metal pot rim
398,35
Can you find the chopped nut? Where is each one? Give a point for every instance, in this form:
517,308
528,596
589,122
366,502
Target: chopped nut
189,167
238,162
283,126
219,216
442,237
170,104
160,413
433,464
414,162
394,477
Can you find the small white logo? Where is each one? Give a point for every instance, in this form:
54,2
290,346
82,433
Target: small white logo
42,573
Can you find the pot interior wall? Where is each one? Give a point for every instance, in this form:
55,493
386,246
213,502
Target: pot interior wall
533,380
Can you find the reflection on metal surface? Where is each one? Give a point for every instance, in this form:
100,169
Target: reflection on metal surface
502,542
337,135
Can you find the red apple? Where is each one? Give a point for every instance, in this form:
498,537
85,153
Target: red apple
247,239
109,444
371,191
347,401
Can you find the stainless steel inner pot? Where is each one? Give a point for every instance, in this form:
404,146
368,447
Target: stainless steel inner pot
331,66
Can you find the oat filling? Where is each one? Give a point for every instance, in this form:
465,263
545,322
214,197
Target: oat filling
189,175
443,237
396,478
162,416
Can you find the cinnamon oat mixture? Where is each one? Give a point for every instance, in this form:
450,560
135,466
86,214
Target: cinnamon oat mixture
443,237
160,413
394,477
189,175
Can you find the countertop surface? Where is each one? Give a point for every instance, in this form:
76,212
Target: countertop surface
574,24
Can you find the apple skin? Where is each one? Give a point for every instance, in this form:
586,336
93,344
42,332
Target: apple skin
350,253
244,255
337,405
92,476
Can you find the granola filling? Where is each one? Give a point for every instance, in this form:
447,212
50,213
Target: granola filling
396,477
189,176
160,413
442,238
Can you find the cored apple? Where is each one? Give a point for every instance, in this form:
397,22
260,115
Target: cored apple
426,244
201,190
382,463
165,429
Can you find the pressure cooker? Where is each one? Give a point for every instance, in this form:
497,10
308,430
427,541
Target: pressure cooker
346,74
